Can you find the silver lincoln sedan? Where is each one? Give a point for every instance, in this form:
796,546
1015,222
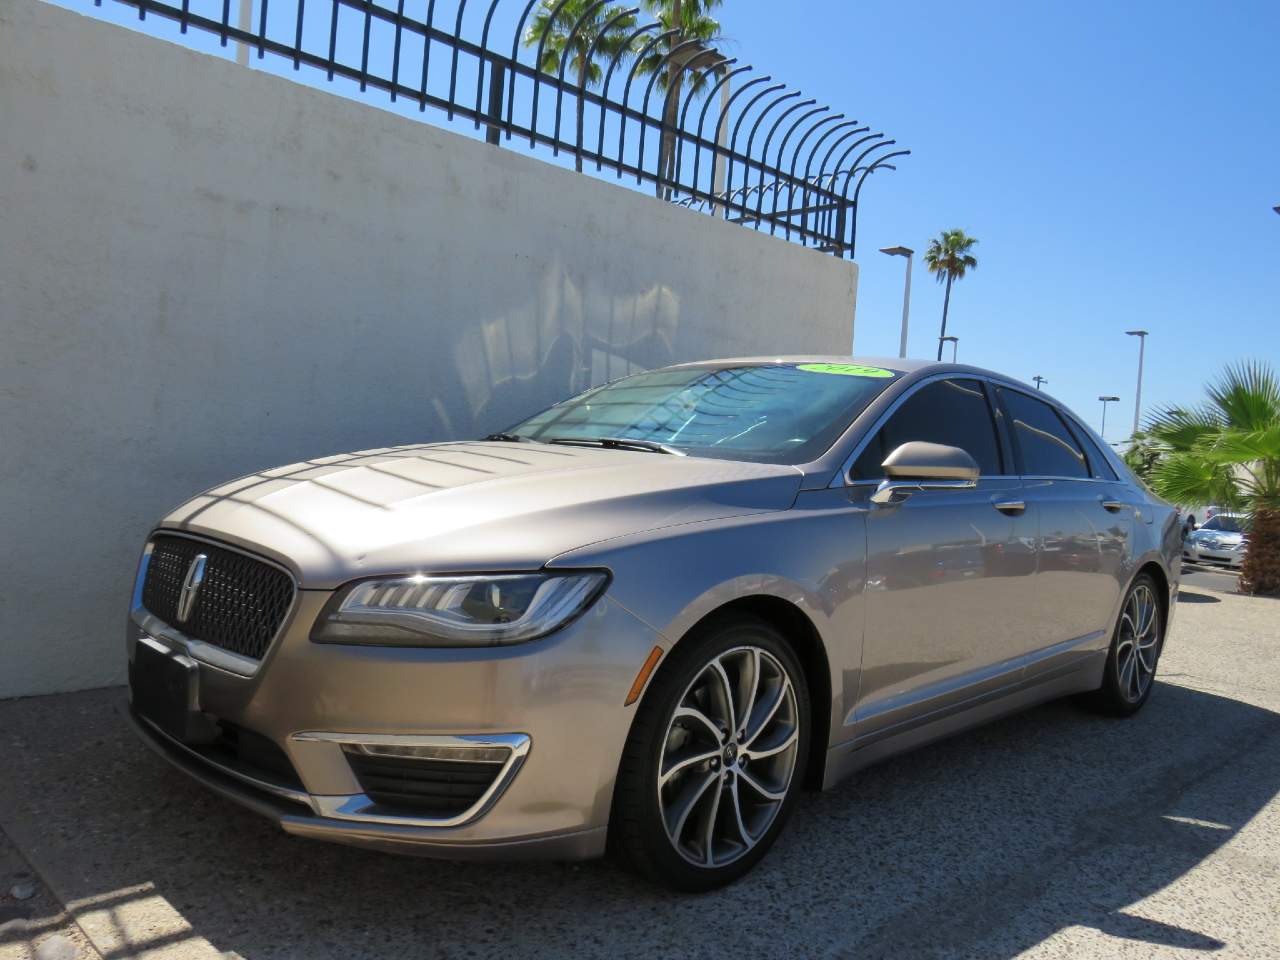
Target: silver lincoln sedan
645,619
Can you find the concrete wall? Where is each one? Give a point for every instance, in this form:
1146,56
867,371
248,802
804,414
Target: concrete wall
205,270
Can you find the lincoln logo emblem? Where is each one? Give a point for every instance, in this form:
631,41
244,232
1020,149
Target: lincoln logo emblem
191,587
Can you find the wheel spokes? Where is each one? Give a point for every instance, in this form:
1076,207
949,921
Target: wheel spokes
689,799
784,691
696,715
680,766
722,691
762,753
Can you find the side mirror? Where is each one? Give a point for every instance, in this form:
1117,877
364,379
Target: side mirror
917,466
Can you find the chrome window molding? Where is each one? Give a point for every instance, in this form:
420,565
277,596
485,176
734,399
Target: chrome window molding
843,478
361,809
206,653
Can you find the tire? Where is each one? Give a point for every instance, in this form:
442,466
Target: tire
681,774
1127,682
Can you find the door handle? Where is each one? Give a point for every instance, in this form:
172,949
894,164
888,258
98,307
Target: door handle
1115,506
1010,506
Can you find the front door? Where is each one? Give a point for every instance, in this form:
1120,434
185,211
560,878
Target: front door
949,572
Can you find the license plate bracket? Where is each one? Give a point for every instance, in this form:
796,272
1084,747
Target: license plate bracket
165,689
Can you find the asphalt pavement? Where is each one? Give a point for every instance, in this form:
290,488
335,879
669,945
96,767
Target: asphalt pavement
1054,833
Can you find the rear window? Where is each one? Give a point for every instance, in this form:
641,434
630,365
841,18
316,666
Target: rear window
1047,447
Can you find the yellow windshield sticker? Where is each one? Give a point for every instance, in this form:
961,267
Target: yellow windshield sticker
846,369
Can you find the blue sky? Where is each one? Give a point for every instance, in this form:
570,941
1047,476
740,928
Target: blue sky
1118,163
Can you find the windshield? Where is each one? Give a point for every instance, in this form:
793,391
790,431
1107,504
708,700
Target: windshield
769,413
1226,524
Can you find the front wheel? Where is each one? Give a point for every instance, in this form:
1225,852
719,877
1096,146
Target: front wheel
1135,651
715,757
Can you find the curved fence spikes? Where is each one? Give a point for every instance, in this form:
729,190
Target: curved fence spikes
515,59
725,72
724,114
564,62
582,102
801,170
552,17
764,152
791,174
733,140
484,45
453,70
626,97
662,122
806,179
608,76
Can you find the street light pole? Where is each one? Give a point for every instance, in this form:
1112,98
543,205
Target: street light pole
1105,401
906,294
1142,353
246,24
1039,381
955,346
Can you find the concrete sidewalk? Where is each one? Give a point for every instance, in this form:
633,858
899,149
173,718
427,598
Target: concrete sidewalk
1049,834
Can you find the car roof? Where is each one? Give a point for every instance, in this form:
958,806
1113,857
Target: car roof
916,368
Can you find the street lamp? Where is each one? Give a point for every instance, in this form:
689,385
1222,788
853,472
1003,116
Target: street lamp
955,346
1142,352
1039,381
1105,401
906,293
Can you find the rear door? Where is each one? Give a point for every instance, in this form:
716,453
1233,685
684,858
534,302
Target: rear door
1085,530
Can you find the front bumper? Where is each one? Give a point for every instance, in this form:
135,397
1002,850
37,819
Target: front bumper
1198,554
561,696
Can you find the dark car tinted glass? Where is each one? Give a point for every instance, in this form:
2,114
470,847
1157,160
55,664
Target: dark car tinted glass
1099,465
1047,446
952,412
768,413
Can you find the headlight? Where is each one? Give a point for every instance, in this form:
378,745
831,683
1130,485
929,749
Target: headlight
482,610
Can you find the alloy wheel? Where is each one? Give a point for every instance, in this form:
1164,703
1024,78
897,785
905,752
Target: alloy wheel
1138,645
728,756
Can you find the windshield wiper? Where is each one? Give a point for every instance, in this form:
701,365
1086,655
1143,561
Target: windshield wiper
619,443
507,438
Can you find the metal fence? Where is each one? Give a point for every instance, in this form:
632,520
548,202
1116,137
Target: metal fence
701,129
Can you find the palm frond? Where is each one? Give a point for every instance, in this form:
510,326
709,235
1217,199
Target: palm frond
1247,394
1188,480
1180,428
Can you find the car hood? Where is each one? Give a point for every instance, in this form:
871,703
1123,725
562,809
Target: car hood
1217,536
462,507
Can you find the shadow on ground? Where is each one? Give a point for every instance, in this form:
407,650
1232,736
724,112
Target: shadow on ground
982,845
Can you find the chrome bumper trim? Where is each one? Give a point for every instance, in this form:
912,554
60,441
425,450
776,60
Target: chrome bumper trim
360,808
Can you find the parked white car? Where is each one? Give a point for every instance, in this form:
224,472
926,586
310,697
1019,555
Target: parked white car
1222,539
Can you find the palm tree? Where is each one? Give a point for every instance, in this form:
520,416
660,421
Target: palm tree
1227,451
689,20
589,45
948,258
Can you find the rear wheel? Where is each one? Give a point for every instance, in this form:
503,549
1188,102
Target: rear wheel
714,760
1135,651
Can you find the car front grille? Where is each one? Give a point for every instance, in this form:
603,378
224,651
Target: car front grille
438,789
240,606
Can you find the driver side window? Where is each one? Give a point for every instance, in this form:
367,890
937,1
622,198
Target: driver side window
951,412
